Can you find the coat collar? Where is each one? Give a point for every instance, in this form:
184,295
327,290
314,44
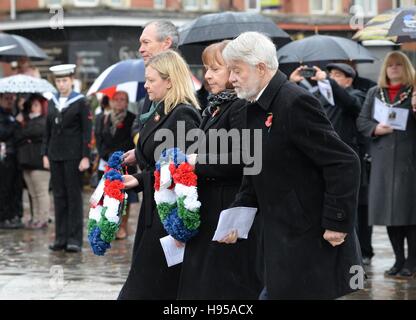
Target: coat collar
73,96
152,125
208,121
272,89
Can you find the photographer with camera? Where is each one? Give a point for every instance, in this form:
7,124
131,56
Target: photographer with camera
341,102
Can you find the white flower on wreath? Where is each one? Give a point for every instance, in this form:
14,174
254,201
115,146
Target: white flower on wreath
112,209
95,213
165,196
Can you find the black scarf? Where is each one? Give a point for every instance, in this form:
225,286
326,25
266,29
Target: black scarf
215,100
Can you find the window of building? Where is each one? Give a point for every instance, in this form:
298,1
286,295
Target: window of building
253,5
207,4
325,6
368,7
86,3
54,2
334,6
403,3
159,4
317,6
191,4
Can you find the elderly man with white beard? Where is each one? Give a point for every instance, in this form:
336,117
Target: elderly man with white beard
307,189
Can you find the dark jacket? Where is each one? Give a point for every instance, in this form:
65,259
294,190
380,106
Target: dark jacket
211,270
308,184
8,127
149,276
29,143
107,143
393,171
68,133
344,113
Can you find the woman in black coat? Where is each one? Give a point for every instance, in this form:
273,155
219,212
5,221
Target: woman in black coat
29,143
212,270
173,107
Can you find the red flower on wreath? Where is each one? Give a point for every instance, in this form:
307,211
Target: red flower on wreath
157,180
113,189
185,175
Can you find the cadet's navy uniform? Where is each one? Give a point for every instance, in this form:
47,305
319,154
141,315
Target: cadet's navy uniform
66,141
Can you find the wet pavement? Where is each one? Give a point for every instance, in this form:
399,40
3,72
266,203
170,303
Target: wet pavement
29,270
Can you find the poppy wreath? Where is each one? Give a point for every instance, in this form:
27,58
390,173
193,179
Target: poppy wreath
177,204
105,218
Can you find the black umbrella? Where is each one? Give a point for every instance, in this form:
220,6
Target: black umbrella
228,25
320,48
209,28
13,47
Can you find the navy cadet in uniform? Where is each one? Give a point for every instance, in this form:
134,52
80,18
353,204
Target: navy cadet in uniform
66,151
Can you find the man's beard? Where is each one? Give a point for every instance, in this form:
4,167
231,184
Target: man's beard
247,94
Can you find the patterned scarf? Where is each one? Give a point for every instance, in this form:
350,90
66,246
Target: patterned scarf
215,100
116,120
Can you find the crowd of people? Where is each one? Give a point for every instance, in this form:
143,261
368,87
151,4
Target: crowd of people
329,170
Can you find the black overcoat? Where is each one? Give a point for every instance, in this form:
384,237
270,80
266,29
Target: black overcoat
150,277
308,183
211,270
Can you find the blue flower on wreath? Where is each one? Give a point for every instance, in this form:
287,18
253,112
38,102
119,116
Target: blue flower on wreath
171,154
116,160
175,227
113,175
98,246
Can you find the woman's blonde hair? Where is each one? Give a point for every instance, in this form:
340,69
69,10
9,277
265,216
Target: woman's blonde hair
170,65
408,70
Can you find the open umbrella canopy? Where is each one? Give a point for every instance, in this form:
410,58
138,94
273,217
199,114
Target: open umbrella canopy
319,48
209,28
25,84
228,25
397,25
126,75
13,47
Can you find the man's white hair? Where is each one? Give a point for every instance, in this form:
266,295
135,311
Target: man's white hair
252,48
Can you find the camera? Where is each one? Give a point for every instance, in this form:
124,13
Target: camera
308,72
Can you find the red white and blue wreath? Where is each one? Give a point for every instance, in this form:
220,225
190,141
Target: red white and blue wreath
177,198
105,215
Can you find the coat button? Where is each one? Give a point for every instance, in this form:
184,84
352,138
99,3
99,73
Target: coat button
340,215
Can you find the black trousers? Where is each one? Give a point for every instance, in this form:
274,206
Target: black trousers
397,235
66,182
364,232
11,185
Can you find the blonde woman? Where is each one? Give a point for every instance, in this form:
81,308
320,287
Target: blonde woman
392,200
169,86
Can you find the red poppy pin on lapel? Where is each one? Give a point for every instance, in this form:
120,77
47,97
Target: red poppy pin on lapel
269,121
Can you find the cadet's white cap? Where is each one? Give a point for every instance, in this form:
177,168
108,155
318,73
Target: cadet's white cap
63,70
